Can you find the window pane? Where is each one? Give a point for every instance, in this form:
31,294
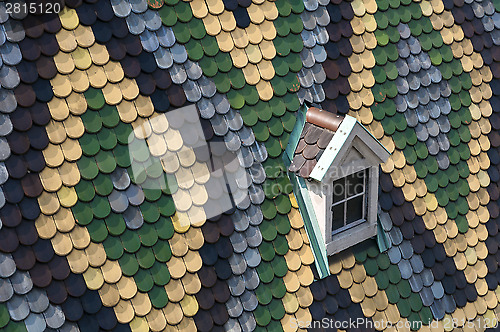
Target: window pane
354,183
338,216
338,190
354,209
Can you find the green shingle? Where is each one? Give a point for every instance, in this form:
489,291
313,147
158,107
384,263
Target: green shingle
207,64
452,192
264,293
261,131
380,76
382,20
425,41
415,10
279,86
162,251
131,241
89,144
404,13
267,251
168,16
210,46
278,288
446,53
148,235
100,207
276,309
113,247
109,116
95,98
105,161
129,264
92,122
371,267
404,308
273,148
160,273
143,280
410,155
103,185
404,289
164,227
262,315
249,116
451,210
425,315
97,230
181,32
265,271
235,98
123,132
283,204
462,205
250,94
394,274
196,27
282,224
150,212
223,85
279,266
264,111
282,27
115,224
268,230
15,327
382,36
85,191
280,245
442,197
158,297
195,53
383,261
4,315
392,294
381,279
236,77
82,213
145,258
391,71
436,57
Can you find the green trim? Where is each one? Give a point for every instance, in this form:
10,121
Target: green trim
295,136
311,224
382,240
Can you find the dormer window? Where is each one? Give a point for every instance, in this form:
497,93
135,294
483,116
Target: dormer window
349,201
334,169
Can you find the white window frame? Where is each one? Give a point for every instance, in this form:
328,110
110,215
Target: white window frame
345,200
351,235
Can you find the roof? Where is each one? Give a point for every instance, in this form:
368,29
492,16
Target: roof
315,136
422,77
323,131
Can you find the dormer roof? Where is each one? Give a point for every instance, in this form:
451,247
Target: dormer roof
327,139
318,130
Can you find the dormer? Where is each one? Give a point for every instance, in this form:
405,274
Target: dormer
333,164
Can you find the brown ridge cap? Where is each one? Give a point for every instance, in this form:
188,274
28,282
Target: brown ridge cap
323,119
